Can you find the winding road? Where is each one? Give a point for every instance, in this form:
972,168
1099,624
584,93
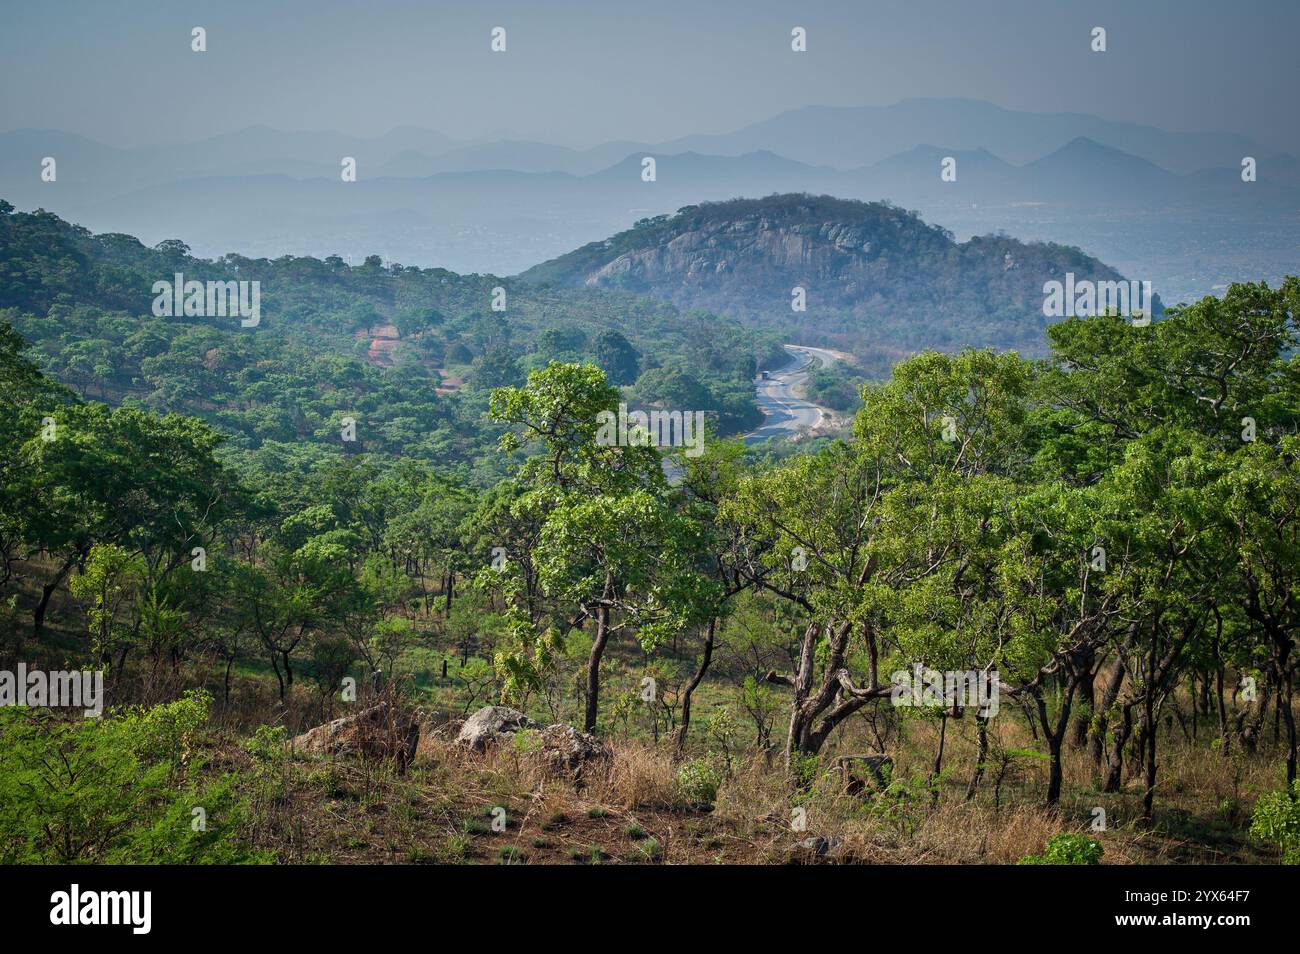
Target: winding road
787,414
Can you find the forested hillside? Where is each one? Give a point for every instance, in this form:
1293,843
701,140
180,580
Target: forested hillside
410,354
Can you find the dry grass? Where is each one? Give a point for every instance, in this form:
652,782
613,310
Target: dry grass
441,809
641,776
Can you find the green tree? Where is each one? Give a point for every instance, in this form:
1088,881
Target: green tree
615,356
611,544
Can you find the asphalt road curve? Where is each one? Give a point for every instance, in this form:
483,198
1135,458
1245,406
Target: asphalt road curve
788,414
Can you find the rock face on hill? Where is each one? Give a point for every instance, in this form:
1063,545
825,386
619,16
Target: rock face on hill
872,274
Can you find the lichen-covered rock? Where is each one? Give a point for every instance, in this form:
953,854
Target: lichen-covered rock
491,724
563,751
381,731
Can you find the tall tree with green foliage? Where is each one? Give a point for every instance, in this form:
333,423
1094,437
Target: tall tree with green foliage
611,543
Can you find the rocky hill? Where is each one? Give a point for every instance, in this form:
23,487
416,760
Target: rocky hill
876,277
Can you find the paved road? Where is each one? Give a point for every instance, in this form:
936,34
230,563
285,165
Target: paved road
788,414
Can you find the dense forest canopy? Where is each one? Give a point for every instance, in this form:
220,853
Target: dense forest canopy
411,354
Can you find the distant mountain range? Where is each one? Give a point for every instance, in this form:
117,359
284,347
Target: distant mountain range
854,136
1123,191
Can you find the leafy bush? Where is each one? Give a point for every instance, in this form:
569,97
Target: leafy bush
1065,849
805,769
1277,819
698,781
267,744
124,789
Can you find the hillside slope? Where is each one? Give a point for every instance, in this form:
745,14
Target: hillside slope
878,280
411,354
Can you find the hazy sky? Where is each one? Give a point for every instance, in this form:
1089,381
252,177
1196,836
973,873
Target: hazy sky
579,73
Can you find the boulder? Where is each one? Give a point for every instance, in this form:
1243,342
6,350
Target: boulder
381,731
492,724
819,845
559,750
814,849
566,752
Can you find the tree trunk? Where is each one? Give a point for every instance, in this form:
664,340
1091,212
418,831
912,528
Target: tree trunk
1054,774
1087,707
279,678
814,715
1054,737
593,668
1101,717
694,683
1152,733
1225,738
1285,699
982,738
38,616
1115,757
937,771
1055,733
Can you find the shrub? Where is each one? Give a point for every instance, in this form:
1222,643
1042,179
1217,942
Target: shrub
1277,819
1065,849
123,789
698,781
268,744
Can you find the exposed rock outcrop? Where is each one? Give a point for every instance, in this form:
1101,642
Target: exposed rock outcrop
822,849
569,753
559,750
492,724
380,731
875,275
